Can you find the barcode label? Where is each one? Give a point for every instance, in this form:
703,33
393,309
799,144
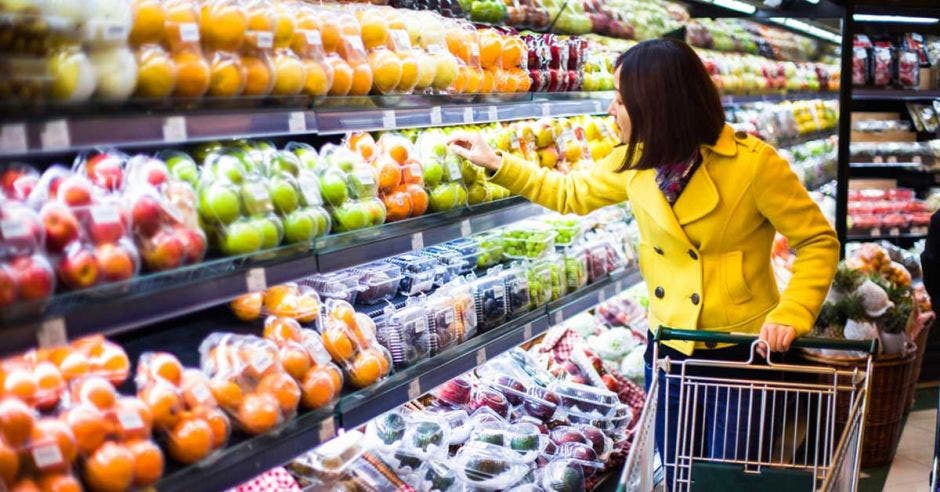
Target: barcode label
453,170
113,31
13,139
174,129
420,325
202,393
264,39
258,191
313,38
449,316
366,178
327,430
481,356
47,456
401,39
261,361
310,190
499,291
189,32
527,331
55,135
297,122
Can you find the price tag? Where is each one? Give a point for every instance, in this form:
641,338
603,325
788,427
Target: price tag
493,113
449,316
55,135
202,393
13,228
546,110
313,37
297,122
601,296
499,291
892,159
417,241
475,50
436,118
13,139
114,31
104,214
481,356
261,361
559,317
420,325
256,280
916,160
388,119
189,32
453,171
401,39
468,114
414,389
894,231
264,39
52,333
598,107
527,331
47,456
174,129
130,420
327,430
465,229
258,191
618,286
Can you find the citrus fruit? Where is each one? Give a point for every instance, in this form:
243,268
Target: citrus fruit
409,72
460,81
156,72
133,418
50,430
88,427
373,27
361,80
427,68
363,143
319,78
259,413
180,13
149,19
229,75
167,367
165,405
397,206
317,388
333,26
290,74
247,307
110,468
192,74
9,463
113,363
342,76
342,311
59,482
284,26
227,393
446,70
20,383
365,369
25,485
96,391
281,329
386,70
491,48
260,79
148,462
190,441
335,375
474,80
283,388
419,199
513,49
222,25
389,173
296,360
219,424
488,84
337,342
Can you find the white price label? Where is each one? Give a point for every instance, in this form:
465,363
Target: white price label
559,317
875,232
114,31
453,171
894,231
598,107
420,325
499,291
297,122
313,37
130,420
465,229
414,389
258,191
356,43
104,214
189,32
468,114
436,118
55,135
546,110
174,129
618,286
417,241
492,113
261,361
13,228
13,139
256,280
892,159
310,190
52,333
401,39
327,430
202,393
366,178
527,331
388,119
481,356
449,316
47,456
264,39
475,50
601,296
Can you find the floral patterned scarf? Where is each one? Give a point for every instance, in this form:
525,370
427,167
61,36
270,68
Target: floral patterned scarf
673,178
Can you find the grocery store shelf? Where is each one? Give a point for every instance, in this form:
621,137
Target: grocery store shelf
893,95
777,97
120,307
887,237
249,456
806,137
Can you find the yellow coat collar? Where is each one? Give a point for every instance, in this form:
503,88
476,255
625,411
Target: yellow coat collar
725,145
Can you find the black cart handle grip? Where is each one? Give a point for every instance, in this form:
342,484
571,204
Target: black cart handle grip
664,334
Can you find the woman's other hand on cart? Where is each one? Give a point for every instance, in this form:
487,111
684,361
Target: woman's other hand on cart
777,337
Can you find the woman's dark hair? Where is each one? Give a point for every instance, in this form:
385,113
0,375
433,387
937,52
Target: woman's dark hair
673,104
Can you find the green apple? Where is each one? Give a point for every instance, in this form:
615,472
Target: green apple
203,151
73,77
350,217
183,167
376,210
284,195
470,173
284,161
307,154
333,187
272,230
461,192
479,193
323,220
443,197
300,226
439,149
228,166
256,198
433,173
241,238
219,203
362,182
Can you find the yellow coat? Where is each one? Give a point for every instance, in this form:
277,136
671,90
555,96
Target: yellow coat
706,259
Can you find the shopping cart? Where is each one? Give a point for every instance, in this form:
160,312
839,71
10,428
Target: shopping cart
764,427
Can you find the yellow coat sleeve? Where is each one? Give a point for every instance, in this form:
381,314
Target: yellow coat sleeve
783,200
578,192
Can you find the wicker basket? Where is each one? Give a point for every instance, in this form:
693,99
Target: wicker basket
887,402
920,331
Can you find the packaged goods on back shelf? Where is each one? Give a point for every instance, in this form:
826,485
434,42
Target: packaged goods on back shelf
924,116
881,125
745,36
815,162
891,212
887,61
778,122
922,153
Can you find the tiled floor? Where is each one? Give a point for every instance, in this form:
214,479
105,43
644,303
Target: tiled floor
910,471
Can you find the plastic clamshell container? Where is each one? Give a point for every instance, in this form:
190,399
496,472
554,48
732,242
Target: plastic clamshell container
576,267
567,227
442,324
387,430
490,245
528,239
539,274
459,423
526,440
437,476
405,335
455,392
597,261
582,455
452,263
332,459
418,273
556,270
378,282
518,299
586,399
532,403
490,300
469,250
428,435
492,399
488,467
562,475
343,285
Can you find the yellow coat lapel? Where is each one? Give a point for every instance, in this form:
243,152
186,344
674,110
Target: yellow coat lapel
645,193
699,198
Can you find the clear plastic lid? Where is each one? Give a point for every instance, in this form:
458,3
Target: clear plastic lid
438,476
491,398
536,402
342,285
387,430
489,467
378,282
568,228
330,460
586,399
526,439
539,275
452,263
469,250
517,290
459,423
489,295
599,441
444,325
576,267
582,455
528,239
562,475
428,435
405,334
491,248
455,392
418,273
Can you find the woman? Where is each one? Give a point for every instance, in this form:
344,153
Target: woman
707,201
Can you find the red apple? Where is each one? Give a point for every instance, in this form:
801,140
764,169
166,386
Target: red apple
194,243
61,226
78,268
114,262
163,251
146,215
75,191
105,171
9,176
106,224
20,231
7,287
33,276
155,172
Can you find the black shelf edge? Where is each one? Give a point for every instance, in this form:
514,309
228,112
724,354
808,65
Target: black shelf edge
126,306
807,137
859,94
730,100
885,237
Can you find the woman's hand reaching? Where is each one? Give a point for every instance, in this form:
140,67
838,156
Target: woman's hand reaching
474,148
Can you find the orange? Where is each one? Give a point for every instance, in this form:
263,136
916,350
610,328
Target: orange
280,297
336,376
247,307
460,82
113,363
474,80
491,48
165,405
222,25
196,390
229,75
156,72
20,383
261,18
296,360
227,393
59,482
190,441
148,462
290,74
25,485
365,370
488,84
364,331
192,73
133,419
149,18
91,345
110,468
363,143
398,150
259,413
412,172
284,26
179,12
513,49
335,25
9,463
319,78
50,430
260,80
409,72
96,391
374,28
361,80
219,424
398,206
524,81
88,427
167,367
317,388
284,389
282,329
343,311
386,70
389,173
342,76
419,199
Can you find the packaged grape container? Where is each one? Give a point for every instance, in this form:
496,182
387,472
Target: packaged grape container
488,467
490,299
450,263
248,381
378,282
576,267
418,273
527,239
350,338
404,332
470,251
342,285
567,227
518,298
541,287
302,354
445,328
491,248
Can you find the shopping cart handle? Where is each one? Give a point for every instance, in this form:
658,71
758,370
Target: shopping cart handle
664,334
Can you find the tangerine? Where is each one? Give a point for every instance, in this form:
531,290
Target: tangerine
398,206
48,430
363,143
149,19
96,391
9,463
409,72
260,79
284,27
284,389
179,12
389,173
92,345
317,388
190,441
419,199
386,70
110,468
193,74
229,75
25,485
165,405
296,360
282,329
366,369
59,482
133,418
489,82
373,28
474,80
361,80
222,25
491,48
336,375
113,362
342,76
156,72
219,424
280,298
167,367
148,462
20,384
196,390
319,78
247,307
290,74
364,330
459,84
261,18
227,393
88,427
258,413
334,26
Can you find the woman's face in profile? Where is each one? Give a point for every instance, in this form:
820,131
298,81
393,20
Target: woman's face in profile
619,111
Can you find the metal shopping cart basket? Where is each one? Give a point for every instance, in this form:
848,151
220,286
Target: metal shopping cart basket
753,426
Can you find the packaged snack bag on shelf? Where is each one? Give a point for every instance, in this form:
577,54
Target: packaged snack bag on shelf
303,356
183,407
350,338
248,381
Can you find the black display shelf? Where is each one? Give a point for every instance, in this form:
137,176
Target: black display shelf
246,457
120,307
806,137
859,94
886,237
731,100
